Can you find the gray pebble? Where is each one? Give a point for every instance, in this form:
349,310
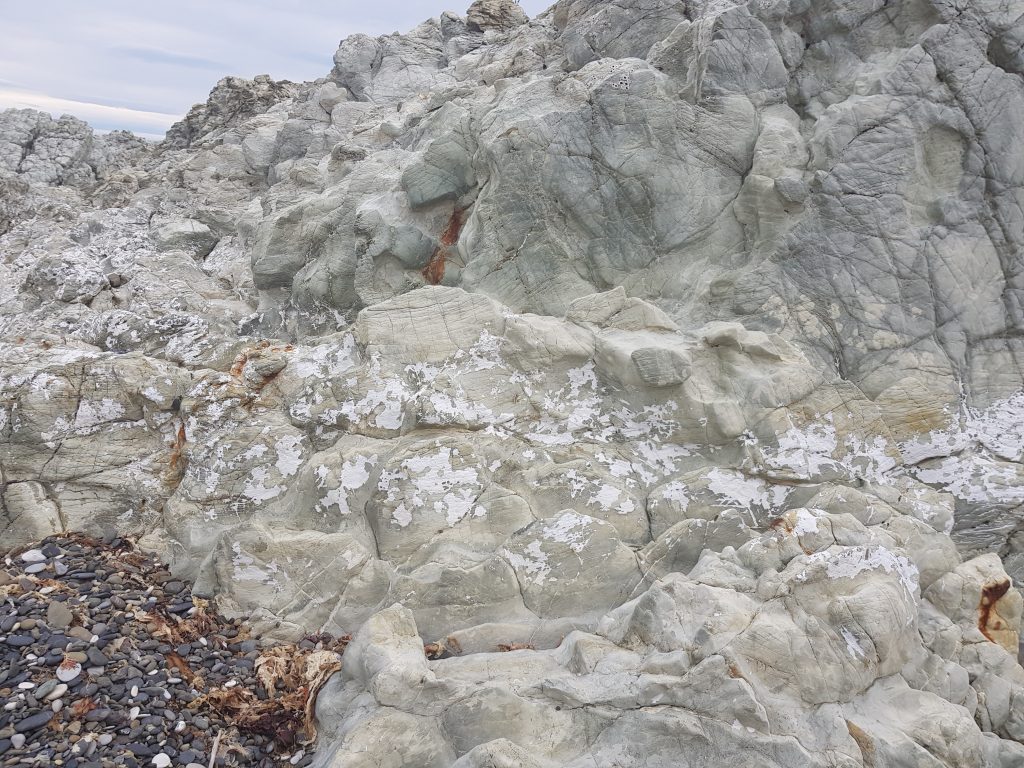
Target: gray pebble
33,722
58,615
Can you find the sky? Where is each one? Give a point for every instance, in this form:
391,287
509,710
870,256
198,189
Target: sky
140,66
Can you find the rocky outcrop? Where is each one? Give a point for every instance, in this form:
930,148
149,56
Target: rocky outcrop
655,362
495,14
232,101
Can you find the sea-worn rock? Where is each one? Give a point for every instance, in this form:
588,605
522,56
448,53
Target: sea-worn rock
655,364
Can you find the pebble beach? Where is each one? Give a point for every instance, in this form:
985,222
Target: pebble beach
106,660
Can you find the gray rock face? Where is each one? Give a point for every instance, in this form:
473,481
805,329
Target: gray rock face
232,100
495,14
659,361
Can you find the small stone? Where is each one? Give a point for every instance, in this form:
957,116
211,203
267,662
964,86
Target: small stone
35,568
98,715
59,616
57,692
33,722
57,706
161,761
80,633
18,740
33,556
60,569
68,671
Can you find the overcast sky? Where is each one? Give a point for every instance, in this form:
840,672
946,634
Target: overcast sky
141,65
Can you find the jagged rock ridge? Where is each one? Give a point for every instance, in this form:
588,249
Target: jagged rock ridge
676,344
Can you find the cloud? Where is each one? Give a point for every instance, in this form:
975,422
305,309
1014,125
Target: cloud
140,66
100,116
157,56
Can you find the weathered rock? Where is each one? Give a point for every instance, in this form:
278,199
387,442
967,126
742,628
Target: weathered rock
495,14
231,101
673,348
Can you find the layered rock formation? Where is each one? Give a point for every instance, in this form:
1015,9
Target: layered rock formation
675,346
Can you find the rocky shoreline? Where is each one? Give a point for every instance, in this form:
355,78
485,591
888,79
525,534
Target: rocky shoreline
675,349
107,660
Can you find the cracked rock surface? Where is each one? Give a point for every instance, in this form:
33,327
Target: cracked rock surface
674,348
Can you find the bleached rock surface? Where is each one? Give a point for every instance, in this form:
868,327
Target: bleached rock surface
675,346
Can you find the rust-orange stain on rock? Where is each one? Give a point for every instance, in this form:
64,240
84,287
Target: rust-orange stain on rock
178,448
433,273
864,743
176,464
989,621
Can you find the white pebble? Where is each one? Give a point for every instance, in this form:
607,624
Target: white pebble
26,686
162,761
33,556
57,692
10,706
180,726
18,740
105,739
133,714
202,641
135,691
57,706
68,671
297,757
